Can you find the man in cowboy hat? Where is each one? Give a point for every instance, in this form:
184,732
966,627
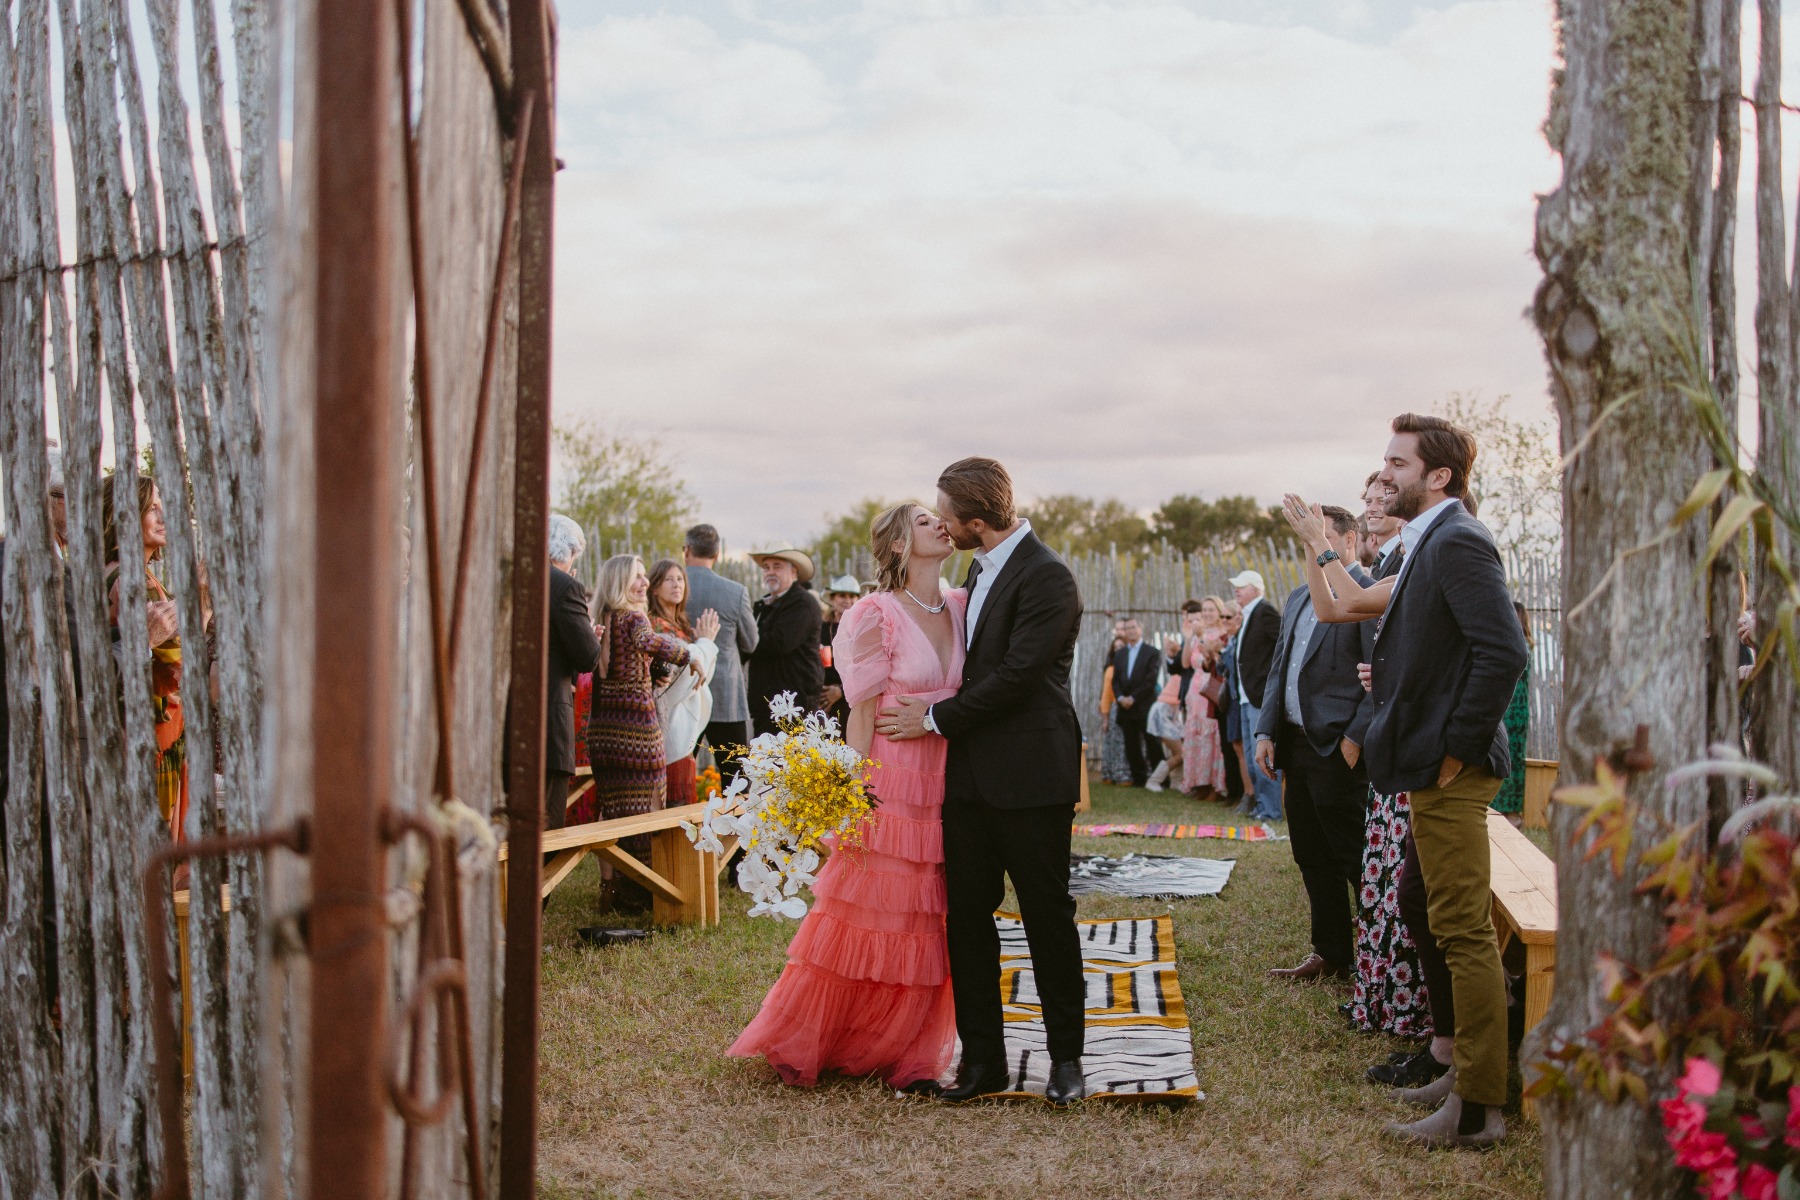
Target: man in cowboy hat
786,658
841,594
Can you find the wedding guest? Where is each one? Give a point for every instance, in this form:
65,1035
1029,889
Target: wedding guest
668,616
1451,645
165,645
1165,725
1237,765
1511,799
1314,721
573,648
624,734
1113,765
1390,995
786,658
1203,737
841,595
1136,670
1255,647
706,589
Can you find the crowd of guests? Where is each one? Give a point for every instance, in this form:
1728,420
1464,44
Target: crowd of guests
1383,734
665,659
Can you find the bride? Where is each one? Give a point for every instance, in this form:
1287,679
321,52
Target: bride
867,987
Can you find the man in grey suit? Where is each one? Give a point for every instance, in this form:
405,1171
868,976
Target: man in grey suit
730,724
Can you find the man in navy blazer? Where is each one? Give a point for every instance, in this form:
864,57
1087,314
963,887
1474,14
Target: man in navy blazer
1314,720
1447,655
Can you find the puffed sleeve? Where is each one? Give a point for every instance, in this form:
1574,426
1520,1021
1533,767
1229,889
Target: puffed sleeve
863,649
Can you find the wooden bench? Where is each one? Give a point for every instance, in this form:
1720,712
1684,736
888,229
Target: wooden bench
1523,881
683,879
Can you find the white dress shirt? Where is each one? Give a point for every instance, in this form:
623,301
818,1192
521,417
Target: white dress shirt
992,563
1413,530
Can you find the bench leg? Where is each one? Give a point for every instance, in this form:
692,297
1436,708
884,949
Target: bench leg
1540,981
683,864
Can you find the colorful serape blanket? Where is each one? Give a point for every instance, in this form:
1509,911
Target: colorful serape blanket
1231,833
1138,1045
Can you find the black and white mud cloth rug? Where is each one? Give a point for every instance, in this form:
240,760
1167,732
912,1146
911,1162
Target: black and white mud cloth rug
1139,1046
1148,875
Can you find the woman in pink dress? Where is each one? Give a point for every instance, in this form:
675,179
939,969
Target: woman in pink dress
1203,755
866,990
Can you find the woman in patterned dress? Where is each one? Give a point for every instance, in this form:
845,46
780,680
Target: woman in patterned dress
165,650
668,616
1202,742
1511,799
624,737
1113,767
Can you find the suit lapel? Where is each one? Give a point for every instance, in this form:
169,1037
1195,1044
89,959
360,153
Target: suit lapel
1418,548
1004,583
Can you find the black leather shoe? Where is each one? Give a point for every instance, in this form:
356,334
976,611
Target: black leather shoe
930,1088
1067,1083
977,1079
1412,1071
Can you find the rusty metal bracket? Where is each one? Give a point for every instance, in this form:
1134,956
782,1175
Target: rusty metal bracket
1632,761
166,1038
442,977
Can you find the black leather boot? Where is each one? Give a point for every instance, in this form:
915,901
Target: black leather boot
1067,1083
977,1079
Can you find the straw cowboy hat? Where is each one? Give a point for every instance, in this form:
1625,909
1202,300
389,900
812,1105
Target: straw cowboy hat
844,585
803,563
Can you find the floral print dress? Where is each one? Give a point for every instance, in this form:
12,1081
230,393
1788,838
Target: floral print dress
1390,990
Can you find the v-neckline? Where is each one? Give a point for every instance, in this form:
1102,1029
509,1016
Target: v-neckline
944,668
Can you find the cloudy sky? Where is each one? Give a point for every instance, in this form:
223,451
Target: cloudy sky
822,248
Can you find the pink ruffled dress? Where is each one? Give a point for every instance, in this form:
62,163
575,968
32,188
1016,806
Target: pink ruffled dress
867,987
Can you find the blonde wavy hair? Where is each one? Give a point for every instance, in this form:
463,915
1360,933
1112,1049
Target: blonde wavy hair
612,585
893,525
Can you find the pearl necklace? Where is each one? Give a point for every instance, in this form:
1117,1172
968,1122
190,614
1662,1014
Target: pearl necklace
940,608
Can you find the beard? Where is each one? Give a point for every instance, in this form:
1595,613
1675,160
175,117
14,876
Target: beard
1408,502
964,539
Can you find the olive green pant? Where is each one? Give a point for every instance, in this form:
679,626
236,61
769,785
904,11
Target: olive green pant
1449,828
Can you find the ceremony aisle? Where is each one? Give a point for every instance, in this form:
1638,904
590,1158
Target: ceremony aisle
638,1099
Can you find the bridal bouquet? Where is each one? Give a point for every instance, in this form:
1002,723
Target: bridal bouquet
795,788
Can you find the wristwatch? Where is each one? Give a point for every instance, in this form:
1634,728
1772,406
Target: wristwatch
1328,556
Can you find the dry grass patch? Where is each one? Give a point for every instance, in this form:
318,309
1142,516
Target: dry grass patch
638,1099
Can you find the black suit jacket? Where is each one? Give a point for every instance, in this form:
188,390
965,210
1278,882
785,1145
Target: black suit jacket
1014,738
573,649
786,658
1331,695
1140,684
1256,652
1449,652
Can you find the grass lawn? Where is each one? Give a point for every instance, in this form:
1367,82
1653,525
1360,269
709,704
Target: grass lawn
638,1099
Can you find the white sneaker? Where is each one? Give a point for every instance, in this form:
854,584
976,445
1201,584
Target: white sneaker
1155,782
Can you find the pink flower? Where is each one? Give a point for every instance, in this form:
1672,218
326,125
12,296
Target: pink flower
1702,1078
1721,1184
1759,1183
1793,1118
1682,1118
1703,1151
1754,1130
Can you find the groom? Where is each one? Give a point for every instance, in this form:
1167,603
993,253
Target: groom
1011,781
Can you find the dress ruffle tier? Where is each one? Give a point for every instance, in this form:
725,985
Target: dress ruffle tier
867,987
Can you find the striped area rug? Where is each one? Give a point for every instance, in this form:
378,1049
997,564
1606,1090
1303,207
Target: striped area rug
1230,833
1138,1044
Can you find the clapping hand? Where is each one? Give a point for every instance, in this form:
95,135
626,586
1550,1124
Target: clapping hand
1307,520
707,626
163,621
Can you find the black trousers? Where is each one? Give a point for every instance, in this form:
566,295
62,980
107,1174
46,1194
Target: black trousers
1327,812
982,846
719,735
1132,724
1432,966
556,798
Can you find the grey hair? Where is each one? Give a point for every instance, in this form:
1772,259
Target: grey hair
566,539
